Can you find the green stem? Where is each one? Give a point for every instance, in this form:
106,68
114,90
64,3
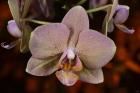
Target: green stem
81,2
99,8
36,21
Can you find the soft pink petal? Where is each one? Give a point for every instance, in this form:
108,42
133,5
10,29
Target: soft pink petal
78,66
76,20
49,40
125,29
94,76
42,67
122,13
13,29
95,49
67,78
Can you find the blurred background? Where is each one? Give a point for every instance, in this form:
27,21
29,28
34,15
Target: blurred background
122,74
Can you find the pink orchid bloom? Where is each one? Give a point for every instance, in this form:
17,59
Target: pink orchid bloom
70,49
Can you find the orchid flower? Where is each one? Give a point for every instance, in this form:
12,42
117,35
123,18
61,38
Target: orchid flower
120,16
70,49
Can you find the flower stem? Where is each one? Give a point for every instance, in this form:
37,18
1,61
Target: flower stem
36,21
81,2
99,8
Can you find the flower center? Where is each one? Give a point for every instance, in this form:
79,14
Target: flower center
70,53
69,61
67,65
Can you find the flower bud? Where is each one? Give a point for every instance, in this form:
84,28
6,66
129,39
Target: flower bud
122,13
13,29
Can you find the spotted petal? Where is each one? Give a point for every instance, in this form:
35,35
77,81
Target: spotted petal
95,49
42,67
94,76
49,40
76,20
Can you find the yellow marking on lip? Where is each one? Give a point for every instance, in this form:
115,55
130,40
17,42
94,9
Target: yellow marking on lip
67,66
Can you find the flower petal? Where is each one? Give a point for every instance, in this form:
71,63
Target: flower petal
76,20
125,29
122,13
78,66
92,76
95,49
13,29
42,67
67,78
49,40
10,45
